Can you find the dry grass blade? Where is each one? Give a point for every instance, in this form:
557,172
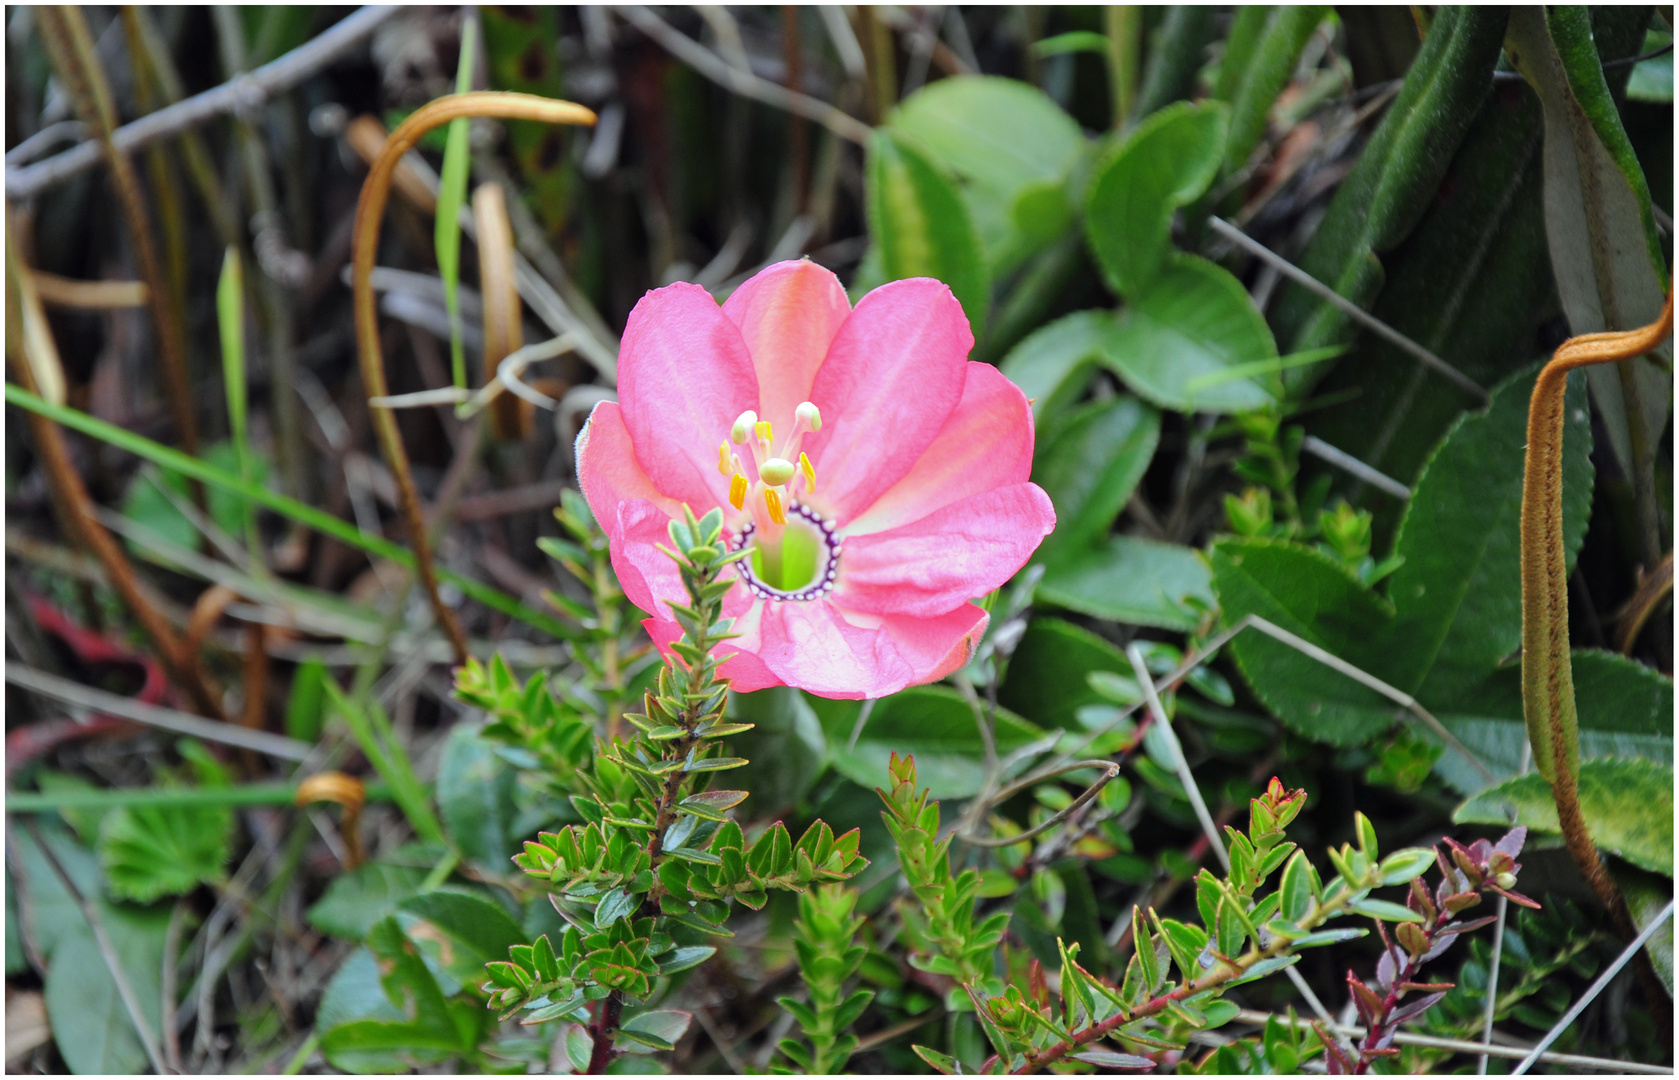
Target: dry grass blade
503,330
370,211
65,33
64,292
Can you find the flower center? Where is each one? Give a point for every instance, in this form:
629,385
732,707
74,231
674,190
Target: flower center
794,553
801,567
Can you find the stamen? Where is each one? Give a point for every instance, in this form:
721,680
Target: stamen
743,426
725,460
808,415
737,491
765,432
772,502
807,469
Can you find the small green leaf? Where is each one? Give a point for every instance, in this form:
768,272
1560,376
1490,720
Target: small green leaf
1385,910
615,905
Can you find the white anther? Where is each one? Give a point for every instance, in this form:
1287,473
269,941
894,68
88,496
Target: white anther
808,414
743,429
776,471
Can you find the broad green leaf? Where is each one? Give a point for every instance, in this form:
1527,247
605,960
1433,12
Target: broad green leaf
1627,803
1176,54
1052,365
1047,680
354,901
1191,321
786,748
147,505
1605,251
1132,580
1259,59
1625,710
1472,283
431,1029
1166,163
1088,465
1396,176
460,930
1652,81
476,789
1646,895
1313,596
1458,592
1010,148
1455,601
54,914
92,1027
920,226
935,724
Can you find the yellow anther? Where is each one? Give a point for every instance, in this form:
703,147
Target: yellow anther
737,491
809,472
776,471
725,460
772,502
765,432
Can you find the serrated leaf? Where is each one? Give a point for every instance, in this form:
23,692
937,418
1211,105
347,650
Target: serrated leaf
154,851
1627,803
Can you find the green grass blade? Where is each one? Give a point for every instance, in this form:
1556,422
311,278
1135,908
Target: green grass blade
450,198
319,520
388,757
230,318
30,802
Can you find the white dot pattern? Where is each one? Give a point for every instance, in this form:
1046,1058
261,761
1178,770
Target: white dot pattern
820,586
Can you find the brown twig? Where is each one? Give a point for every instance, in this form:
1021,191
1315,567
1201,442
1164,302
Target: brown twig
65,34
78,512
1653,587
370,212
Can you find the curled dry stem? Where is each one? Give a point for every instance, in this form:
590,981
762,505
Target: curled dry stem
1547,677
370,212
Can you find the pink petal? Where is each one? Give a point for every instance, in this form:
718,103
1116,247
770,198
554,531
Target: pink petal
811,645
629,508
894,373
684,375
986,443
952,555
788,314
935,647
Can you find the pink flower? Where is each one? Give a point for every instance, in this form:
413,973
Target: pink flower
880,476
